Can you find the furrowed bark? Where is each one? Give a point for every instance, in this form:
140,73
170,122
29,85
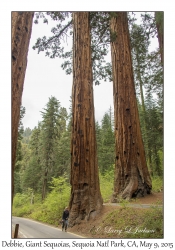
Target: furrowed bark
86,200
132,178
21,33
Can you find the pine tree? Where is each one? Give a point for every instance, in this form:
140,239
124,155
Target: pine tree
49,134
31,175
154,123
62,150
106,155
26,135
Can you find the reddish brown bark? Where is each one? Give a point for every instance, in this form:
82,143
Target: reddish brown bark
86,200
21,33
131,173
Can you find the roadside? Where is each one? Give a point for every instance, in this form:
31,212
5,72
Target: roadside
110,222
103,227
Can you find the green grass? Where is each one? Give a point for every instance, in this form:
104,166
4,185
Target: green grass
107,185
127,222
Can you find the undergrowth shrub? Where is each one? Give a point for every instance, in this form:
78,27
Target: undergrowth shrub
157,184
107,185
50,210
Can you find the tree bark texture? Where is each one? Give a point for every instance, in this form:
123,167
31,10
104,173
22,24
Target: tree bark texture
21,33
86,200
132,178
159,25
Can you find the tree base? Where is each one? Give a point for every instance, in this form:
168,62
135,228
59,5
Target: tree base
84,205
129,194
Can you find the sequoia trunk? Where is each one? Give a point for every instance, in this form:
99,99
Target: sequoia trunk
132,178
159,17
21,33
86,200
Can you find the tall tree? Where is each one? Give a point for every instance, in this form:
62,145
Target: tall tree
100,42
62,150
49,134
86,198
106,146
31,177
21,33
19,155
132,178
154,123
140,43
159,18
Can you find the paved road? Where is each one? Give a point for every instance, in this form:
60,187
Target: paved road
33,229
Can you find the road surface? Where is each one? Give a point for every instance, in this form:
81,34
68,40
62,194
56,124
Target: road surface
33,229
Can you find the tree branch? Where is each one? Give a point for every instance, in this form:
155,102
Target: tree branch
61,32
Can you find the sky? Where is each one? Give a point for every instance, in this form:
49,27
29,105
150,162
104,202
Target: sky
5,95
45,78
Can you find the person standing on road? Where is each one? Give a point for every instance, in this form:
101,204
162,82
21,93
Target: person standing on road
65,218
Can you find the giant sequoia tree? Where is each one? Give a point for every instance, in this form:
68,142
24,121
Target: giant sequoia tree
159,18
21,32
86,198
132,178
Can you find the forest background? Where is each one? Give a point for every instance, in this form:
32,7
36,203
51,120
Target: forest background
169,103
47,146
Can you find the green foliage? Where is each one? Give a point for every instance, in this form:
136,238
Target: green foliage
107,184
17,181
48,141
123,202
159,17
148,76
105,142
51,209
54,46
19,155
21,204
153,220
23,211
113,14
47,151
157,184
26,135
31,177
20,199
113,36
149,24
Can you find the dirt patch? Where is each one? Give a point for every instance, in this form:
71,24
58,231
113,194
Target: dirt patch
152,198
85,228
